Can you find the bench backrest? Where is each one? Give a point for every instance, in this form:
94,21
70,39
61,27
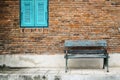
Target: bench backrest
85,43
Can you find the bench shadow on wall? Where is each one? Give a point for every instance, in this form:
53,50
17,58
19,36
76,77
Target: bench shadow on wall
86,63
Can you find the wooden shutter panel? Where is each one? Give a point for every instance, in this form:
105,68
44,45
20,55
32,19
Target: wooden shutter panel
27,13
41,13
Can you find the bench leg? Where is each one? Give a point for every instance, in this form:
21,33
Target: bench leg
66,67
104,63
107,65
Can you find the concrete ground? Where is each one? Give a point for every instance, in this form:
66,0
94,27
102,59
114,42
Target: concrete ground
59,74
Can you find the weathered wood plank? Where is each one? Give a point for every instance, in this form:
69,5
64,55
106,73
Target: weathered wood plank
85,43
86,51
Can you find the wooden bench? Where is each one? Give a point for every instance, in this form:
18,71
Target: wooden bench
75,49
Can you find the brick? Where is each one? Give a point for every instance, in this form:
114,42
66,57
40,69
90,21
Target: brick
68,19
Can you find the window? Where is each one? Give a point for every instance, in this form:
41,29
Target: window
34,13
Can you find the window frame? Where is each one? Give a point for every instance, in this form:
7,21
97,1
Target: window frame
20,19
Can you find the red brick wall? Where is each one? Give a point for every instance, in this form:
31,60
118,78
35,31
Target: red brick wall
68,19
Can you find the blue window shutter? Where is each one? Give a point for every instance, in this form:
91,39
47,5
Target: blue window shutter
27,13
41,12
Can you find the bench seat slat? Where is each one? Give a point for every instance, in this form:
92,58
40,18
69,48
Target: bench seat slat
85,43
85,51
